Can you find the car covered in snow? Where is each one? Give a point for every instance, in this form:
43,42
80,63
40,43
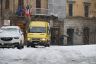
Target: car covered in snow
11,36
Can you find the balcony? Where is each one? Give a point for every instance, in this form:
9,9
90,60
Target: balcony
39,11
88,1
71,1
33,12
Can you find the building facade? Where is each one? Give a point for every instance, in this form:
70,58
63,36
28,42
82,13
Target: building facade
79,30
93,8
78,8
79,25
37,7
7,10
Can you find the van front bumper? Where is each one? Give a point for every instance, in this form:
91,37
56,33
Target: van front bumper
37,43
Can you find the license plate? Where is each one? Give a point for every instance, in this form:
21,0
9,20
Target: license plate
35,43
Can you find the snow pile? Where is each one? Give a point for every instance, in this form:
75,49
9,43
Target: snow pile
85,54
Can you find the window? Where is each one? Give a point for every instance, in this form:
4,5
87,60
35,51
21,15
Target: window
38,3
95,5
38,6
86,8
7,4
70,9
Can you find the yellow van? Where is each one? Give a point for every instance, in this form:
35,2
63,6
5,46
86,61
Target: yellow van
38,33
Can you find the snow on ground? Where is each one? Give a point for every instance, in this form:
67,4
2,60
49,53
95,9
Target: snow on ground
83,54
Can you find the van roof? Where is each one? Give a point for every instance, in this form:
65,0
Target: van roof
38,23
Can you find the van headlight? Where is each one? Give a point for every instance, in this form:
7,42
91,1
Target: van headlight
43,39
29,39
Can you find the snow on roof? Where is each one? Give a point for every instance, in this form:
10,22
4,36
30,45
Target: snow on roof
10,27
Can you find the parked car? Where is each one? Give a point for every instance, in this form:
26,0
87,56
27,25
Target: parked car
11,36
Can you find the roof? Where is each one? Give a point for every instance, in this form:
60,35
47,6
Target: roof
38,23
10,27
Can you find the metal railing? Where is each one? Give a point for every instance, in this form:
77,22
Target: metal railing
33,11
39,11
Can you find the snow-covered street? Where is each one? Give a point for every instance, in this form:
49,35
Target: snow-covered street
84,54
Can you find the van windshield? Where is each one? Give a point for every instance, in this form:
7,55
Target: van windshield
37,30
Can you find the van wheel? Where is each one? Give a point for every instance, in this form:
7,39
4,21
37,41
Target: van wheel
28,45
33,46
47,45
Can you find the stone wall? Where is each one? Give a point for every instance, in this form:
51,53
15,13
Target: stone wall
78,25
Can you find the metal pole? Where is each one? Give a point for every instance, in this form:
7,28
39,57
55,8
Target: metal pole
1,8
1,13
53,6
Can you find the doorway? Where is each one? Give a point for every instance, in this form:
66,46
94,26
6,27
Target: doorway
70,33
55,36
86,35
